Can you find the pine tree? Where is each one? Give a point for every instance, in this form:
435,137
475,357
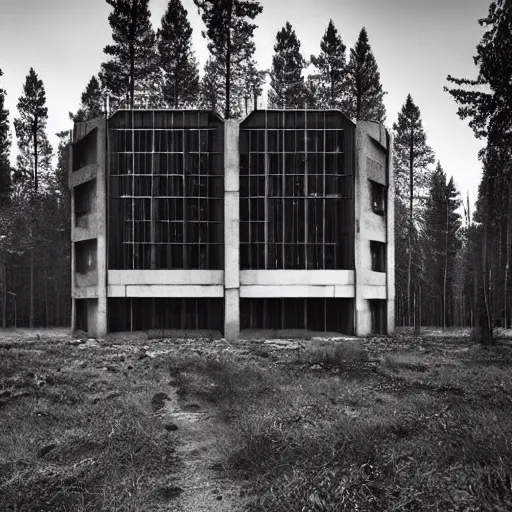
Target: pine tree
412,156
364,89
288,89
212,87
329,76
133,55
5,148
92,104
486,103
442,223
252,82
35,154
489,109
176,57
230,35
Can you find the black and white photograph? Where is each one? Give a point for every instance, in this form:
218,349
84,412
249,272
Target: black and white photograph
255,256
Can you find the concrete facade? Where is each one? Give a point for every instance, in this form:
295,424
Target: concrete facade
91,289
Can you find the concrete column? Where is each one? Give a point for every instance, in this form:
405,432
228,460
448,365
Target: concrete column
73,270
390,228
231,230
362,307
101,223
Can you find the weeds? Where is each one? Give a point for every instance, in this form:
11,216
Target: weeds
416,434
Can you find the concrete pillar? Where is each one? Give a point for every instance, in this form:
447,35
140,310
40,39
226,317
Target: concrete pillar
101,223
73,259
373,157
390,228
231,230
362,307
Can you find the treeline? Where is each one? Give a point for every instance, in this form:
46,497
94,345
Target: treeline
487,103
441,273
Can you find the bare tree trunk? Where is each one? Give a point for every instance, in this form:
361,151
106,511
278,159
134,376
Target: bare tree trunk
507,262
46,305
4,296
445,278
411,191
31,314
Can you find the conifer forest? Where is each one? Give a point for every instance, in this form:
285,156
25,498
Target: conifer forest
452,257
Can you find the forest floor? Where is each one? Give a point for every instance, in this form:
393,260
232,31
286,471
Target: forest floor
310,424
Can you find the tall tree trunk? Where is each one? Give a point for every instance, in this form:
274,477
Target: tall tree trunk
4,296
507,262
411,190
227,112
31,314
46,305
445,278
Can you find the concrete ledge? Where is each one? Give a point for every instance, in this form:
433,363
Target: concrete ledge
165,277
84,174
374,292
89,292
344,291
257,291
371,278
297,277
155,290
81,234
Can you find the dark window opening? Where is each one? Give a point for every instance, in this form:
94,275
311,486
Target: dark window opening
314,314
378,197
378,251
81,315
85,151
378,313
84,202
85,256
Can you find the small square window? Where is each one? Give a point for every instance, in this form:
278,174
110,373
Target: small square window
378,197
378,251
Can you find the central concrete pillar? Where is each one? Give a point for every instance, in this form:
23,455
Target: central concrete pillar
231,230
101,223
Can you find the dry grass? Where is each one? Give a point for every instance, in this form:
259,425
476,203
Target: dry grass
79,437
419,430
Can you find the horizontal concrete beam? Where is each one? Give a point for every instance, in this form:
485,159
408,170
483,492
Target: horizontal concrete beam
373,292
165,277
84,174
89,292
370,278
257,291
165,290
81,234
297,277
344,291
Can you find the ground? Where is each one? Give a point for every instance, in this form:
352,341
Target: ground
312,424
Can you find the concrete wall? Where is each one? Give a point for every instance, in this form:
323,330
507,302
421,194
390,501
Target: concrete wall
373,155
90,286
231,230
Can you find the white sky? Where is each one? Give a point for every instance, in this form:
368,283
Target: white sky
417,43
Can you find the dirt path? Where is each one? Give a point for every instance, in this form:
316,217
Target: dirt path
204,487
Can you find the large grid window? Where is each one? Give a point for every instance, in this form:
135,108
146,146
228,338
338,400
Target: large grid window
296,191
166,190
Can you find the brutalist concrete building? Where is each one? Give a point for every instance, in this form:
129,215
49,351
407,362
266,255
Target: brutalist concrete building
183,220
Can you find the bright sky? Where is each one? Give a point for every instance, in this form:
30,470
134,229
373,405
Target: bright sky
416,44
